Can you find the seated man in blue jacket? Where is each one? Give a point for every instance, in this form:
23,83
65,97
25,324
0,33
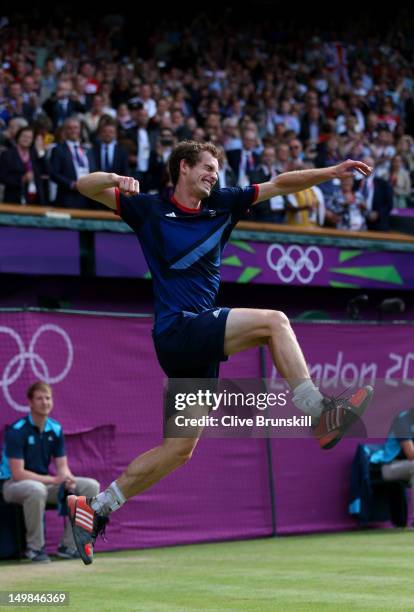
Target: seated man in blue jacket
30,444
397,454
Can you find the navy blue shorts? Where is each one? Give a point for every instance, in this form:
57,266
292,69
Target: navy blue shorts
193,346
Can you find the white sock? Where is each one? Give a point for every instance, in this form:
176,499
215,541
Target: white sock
308,398
109,500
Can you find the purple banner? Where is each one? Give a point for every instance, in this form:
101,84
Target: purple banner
57,252
108,396
39,251
280,264
119,256
403,212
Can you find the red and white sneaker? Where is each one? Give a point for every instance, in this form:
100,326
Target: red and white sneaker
86,525
339,414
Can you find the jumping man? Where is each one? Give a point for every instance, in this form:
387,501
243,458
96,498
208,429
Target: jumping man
182,240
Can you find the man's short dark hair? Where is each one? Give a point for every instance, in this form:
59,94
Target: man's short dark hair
39,385
107,120
135,104
190,151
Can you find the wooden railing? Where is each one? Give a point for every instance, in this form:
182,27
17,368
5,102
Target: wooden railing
106,215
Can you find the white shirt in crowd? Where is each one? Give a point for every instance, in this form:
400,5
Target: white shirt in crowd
143,150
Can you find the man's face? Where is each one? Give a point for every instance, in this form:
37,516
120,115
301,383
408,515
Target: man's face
63,91
314,113
312,97
41,404
97,103
269,156
332,145
87,70
177,117
249,141
28,84
166,138
15,90
201,178
285,107
108,133
80,83
283,152
142,117
213,121
72,130
295,147
383,137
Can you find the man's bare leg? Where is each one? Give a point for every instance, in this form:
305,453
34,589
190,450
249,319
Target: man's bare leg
248,328
88,517
150,467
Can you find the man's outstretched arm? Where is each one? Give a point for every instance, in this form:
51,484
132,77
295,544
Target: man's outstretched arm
298,180
100,186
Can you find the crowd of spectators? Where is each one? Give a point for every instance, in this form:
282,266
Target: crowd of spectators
74,100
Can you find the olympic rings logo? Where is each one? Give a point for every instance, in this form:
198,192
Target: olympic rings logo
15,366
294,262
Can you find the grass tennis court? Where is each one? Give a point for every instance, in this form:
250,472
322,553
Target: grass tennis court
369,570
